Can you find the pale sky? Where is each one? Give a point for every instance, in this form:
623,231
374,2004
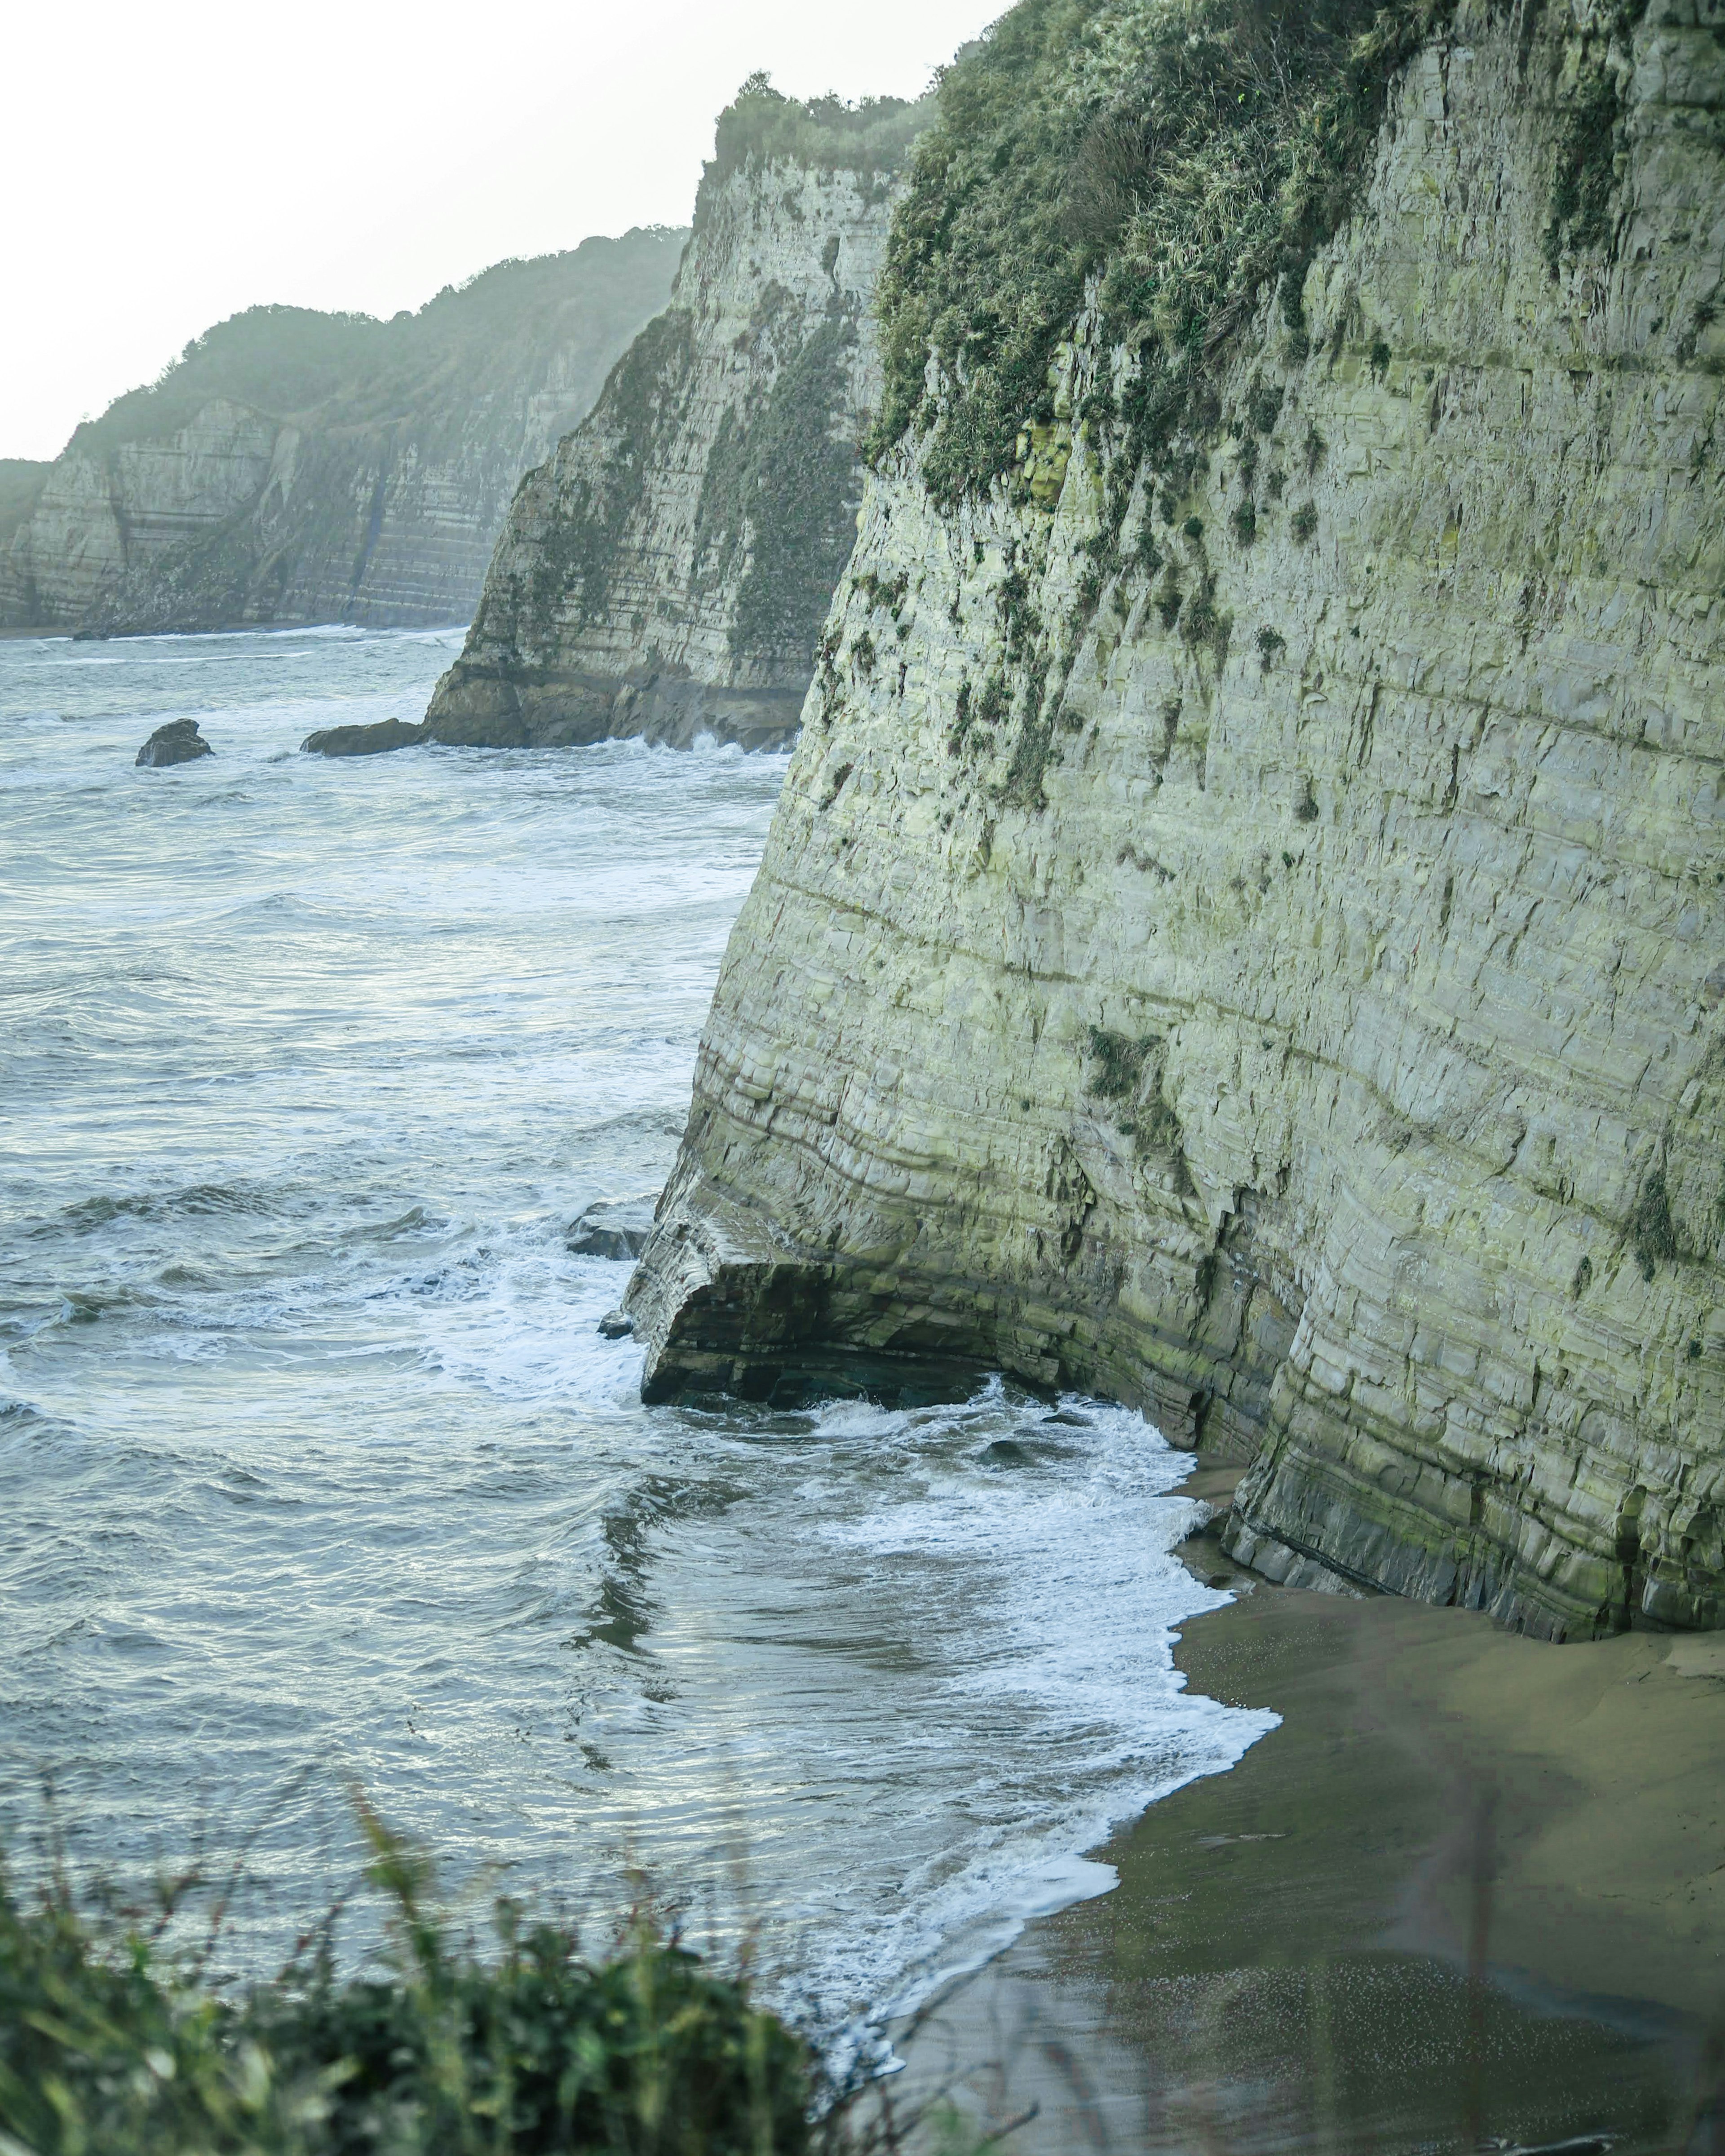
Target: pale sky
171,163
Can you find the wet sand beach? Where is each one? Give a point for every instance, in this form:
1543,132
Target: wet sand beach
1472,1890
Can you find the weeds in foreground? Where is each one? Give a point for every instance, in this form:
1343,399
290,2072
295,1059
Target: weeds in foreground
111,2041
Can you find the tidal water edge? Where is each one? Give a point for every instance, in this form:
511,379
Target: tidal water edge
314,1470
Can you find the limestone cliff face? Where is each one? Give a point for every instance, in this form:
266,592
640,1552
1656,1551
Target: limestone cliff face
297,467
668,570
1312,1025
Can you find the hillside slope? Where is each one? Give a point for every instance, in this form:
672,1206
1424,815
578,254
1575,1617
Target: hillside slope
294,466
1244,927
667,571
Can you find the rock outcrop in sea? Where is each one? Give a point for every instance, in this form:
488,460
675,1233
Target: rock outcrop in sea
667,571
295,467
1244,927
178,741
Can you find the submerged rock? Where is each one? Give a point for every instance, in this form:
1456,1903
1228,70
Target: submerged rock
615,1228
178,741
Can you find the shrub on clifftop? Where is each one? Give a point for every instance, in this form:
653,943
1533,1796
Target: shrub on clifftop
872,135
1187,150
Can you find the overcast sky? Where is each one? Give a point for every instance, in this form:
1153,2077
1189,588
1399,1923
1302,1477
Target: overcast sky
169,164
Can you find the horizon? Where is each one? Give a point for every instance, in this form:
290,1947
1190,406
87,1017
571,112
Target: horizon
596,153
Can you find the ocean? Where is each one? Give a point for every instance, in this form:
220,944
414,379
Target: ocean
316,1477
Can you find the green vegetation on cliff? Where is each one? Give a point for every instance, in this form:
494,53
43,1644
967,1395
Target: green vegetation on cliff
1175,164
1184,154
577,552
1195,148
781,483
826,133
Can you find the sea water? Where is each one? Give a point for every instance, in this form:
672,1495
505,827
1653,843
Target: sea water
316,1477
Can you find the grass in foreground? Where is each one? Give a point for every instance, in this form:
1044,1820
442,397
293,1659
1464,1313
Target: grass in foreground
112,2045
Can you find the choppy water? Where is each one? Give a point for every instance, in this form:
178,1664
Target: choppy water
312,1464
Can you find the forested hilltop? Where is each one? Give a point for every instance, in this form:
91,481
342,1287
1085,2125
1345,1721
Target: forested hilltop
296,466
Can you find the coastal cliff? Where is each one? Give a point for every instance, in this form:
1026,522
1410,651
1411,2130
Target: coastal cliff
22,480
296,467
1244,926
667,571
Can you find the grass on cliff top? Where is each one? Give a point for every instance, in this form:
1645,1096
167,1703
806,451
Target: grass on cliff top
1190,148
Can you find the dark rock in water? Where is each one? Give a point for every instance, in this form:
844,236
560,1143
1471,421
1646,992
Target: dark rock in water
497,729
375,740
178,741
615,1228
615,1326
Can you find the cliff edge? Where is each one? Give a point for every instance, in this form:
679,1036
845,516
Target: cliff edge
667,572
1244,926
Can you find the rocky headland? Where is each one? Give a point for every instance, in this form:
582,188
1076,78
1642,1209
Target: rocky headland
1243,930
666,573
295,467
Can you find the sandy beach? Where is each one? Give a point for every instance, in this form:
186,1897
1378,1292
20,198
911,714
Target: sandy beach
1471,1890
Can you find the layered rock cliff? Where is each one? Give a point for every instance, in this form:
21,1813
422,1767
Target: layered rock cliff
1244,927
296,467
667,571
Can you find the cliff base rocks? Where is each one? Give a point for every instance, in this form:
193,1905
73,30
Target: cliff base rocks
614,1228
470,710
377,739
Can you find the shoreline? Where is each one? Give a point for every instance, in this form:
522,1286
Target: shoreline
1472,1887
238,629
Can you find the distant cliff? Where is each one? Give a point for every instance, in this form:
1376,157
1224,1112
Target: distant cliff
667,571
1244,929
21,484
294,466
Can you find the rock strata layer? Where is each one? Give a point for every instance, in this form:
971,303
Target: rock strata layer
665,574
295,467
1299,1009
